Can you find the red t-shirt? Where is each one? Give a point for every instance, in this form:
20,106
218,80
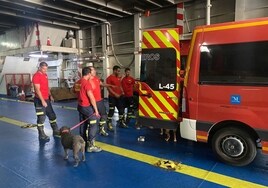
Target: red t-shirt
41,78
82,97
95,83
127,85
116,81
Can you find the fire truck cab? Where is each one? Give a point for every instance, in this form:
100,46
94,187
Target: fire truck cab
221,97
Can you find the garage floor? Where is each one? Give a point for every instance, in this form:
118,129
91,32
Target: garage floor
124,161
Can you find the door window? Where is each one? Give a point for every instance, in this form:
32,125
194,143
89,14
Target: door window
159,68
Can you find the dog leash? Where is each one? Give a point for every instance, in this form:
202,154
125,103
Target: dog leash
77,125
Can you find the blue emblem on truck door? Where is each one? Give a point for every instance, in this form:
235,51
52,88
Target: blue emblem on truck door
235,99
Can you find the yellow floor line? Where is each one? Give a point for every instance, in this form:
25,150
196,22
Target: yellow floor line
28,102
185,169
151,160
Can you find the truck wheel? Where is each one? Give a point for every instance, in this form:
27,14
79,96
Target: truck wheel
234,146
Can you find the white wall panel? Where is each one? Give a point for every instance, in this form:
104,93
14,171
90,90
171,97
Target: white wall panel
17,65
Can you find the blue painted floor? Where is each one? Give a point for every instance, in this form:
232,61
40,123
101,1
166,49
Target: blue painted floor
26,162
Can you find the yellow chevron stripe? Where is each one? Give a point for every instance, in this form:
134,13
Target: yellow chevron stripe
143,45
167,42
151,40
145,107
157,108
174,34
140,113
166,104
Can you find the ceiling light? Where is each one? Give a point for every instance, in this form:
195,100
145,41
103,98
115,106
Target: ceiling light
39,55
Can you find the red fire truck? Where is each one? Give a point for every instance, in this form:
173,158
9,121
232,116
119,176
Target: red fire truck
221,96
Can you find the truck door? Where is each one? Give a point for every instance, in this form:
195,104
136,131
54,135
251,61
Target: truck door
159,79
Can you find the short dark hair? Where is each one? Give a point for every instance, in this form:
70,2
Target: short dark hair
43,64
127,69
116,68
86,71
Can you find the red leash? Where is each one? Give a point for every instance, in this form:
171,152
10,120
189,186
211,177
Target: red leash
77,125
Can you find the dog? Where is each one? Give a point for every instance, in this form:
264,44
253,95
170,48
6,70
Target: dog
167,132
72,142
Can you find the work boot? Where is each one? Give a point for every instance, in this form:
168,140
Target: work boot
41,133
92,148
122,124
55,129
103,132
110,126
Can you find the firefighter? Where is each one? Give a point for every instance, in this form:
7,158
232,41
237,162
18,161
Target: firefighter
128,83
42,102
115,98
87,107
96,84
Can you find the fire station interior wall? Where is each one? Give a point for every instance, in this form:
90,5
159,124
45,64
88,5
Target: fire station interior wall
16,65
12,39
165,18
56,35
92,39
122,44
26,37
195,13
246,9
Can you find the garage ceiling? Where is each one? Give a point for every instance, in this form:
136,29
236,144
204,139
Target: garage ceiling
72,14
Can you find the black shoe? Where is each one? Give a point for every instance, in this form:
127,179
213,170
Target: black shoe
123,124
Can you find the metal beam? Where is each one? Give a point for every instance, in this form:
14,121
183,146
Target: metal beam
25,11
51,12
154,3
109,5
39,20
93,8
172,1
65,10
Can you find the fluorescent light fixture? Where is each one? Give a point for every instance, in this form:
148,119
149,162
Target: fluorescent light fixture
39,55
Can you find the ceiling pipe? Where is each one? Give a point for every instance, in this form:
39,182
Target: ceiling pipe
52,12
39,20
93,8
208,12
154,3
172,1
65,10
111,6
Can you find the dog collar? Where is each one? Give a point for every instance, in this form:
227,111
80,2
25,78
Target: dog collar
65,131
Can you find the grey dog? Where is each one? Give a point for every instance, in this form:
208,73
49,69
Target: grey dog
72,142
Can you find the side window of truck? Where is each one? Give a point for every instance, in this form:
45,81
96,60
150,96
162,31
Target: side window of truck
159,68
234,64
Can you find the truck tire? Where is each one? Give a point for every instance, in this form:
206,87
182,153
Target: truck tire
234,146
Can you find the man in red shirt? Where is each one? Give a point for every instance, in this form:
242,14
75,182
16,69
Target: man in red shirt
128,83
87,107
42,102
115,97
